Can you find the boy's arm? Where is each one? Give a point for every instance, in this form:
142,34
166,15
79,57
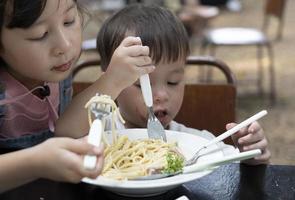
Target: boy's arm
74,121
129,61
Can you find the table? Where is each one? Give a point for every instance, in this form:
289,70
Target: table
232,181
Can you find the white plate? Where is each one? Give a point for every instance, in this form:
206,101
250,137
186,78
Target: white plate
188,144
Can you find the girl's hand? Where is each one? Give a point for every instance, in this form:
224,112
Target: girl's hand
249,138
61,159
129,61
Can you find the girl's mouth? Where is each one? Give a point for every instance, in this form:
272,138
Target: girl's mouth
64,67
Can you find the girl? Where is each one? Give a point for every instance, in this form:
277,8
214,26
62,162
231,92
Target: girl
40,43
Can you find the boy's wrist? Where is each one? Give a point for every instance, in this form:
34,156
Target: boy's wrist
110,85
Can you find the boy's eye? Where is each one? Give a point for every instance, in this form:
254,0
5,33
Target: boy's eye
173,83
137,85
70,22
44,35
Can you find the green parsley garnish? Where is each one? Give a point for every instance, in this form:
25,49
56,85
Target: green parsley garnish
174,163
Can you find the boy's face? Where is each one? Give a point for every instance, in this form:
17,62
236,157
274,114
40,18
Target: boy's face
47,50
167,83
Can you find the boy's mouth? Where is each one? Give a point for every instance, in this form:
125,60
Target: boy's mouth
163,117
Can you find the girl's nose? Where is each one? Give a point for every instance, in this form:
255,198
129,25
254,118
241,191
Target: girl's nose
63,44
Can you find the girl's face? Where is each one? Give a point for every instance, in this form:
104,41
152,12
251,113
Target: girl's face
46,51
167,83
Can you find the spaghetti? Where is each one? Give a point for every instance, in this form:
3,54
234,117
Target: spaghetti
126,159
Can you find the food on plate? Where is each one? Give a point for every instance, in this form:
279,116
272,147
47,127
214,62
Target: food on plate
128,159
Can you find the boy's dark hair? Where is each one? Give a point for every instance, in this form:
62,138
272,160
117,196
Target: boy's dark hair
158,28
20,14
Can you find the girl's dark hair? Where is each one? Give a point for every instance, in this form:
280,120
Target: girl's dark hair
20,14
158,28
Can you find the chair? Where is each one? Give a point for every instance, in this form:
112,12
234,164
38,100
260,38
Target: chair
238,36
208,106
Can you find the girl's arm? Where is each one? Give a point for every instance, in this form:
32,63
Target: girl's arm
122,72
57,159
16,169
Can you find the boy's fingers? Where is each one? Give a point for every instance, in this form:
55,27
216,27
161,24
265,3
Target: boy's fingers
254,127
137,50
130,41
251,138
239,133
264,157
230,125
146,69
141,61
262,144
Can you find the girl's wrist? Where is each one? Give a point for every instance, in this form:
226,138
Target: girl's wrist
34,162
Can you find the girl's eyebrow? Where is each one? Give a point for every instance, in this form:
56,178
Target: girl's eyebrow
67,10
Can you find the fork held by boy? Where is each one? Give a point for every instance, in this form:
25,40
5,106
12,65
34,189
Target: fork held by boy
227,134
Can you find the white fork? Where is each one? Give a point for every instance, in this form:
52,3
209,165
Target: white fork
95,133
225,135
154,127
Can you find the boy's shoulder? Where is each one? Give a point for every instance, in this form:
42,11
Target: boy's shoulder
175,126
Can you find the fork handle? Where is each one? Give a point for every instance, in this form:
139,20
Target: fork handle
94,138
223,160
146,89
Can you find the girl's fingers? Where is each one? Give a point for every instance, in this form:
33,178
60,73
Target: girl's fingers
82,147
92,173
98,169
78,146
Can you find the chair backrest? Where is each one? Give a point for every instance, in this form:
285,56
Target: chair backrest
79,86
206,106
274,8
209,106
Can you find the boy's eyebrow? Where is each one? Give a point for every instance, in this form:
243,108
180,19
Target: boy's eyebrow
178,70
70,7
67,10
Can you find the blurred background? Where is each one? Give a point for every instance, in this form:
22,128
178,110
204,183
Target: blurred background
201,17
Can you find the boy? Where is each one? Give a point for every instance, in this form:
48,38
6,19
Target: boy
165,35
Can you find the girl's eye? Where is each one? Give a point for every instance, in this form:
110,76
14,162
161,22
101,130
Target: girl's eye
45,34
69,23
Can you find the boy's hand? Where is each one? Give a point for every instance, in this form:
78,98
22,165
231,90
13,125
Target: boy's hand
129,61
61,159
249,138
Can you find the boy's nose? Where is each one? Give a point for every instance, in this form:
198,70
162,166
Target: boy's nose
160,95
